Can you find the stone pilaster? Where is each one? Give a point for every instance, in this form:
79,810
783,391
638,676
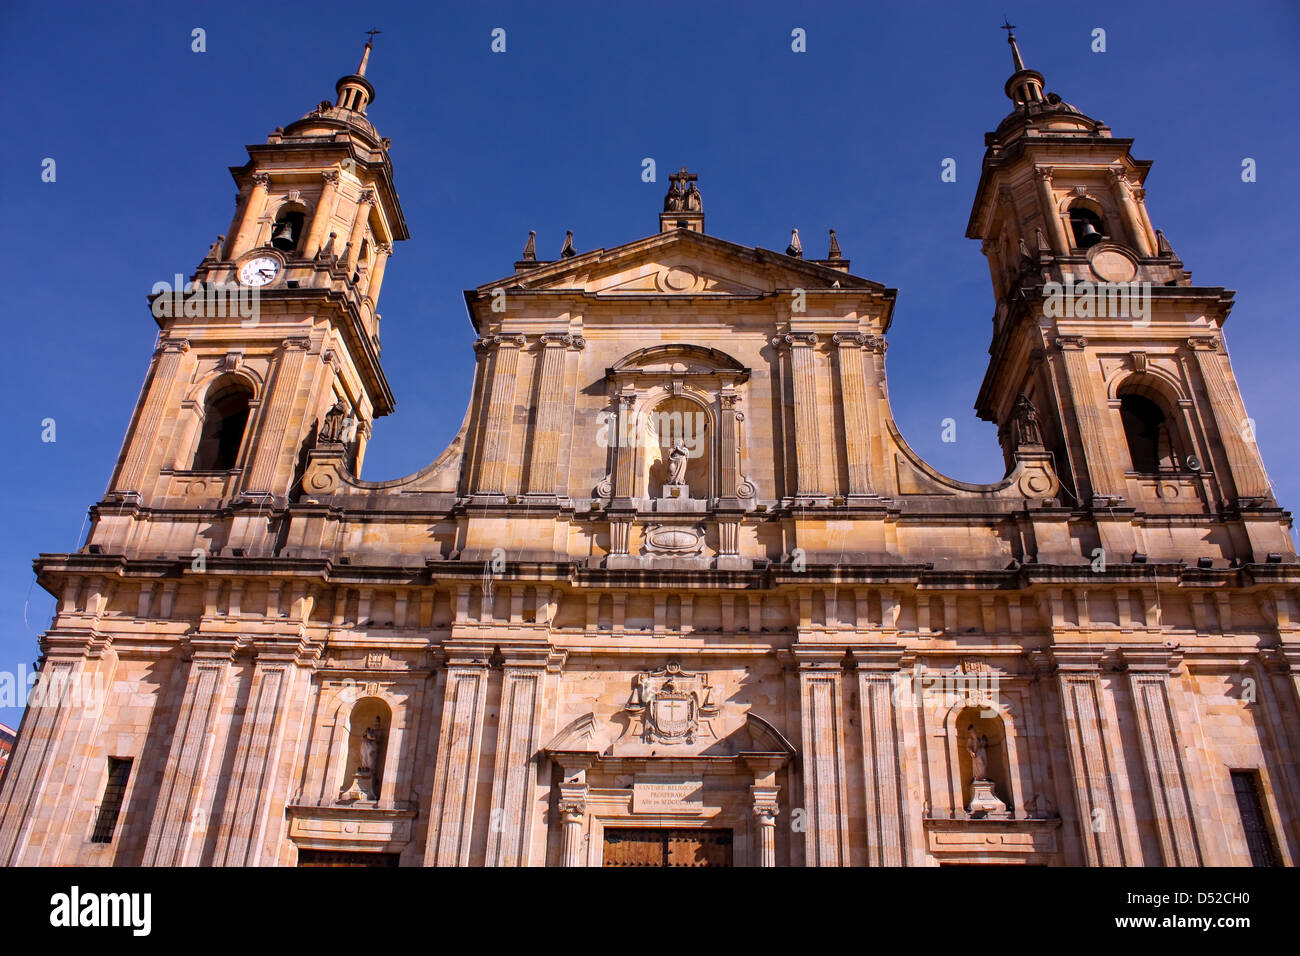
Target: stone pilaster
807,415
252,810
1162,754
1092,764
1247,471
824,779
188,779
271,458
515,772
35,765
158,401
1105,477
543,469
493,472
460,741
857,429
886,812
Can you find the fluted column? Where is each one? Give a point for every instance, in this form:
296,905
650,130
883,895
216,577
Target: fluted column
626,432
765,813
324,213
573,811
274,414
1162,755
853,391
543,468
729,444
254,207
144,437
1248,477
500,412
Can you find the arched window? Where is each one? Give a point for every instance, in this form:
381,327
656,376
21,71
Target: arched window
1087,227
288,229
1150,439
225,417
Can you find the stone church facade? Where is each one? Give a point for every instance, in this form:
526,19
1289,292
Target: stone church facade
678,592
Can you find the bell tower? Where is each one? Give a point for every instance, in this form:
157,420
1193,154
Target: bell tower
1098,324
276,326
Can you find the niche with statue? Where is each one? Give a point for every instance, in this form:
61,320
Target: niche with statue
367,748
982,758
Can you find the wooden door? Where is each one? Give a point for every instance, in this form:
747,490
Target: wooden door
638,846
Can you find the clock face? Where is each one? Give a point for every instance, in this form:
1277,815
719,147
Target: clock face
259,271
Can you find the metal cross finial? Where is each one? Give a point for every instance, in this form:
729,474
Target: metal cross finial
1007,25
371,34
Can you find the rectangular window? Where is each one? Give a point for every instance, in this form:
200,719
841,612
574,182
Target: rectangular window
1259,839
119,771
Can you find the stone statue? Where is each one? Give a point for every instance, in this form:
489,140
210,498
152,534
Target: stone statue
331,430
677,463
694,202
978,746
1027,431
370,747
675,201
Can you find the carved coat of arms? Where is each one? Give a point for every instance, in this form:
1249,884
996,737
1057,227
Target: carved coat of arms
673,706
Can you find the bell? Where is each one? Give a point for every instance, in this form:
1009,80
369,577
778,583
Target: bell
283,237
1090,236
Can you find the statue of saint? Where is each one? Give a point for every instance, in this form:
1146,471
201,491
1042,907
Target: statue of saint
1027,432
370,747
978,746
675,201
331,430
693,201
677,463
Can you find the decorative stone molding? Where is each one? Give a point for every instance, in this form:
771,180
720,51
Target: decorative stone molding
1071,342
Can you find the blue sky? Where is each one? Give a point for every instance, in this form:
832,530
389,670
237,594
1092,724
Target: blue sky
550,136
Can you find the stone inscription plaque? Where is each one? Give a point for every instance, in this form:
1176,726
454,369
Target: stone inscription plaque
658,794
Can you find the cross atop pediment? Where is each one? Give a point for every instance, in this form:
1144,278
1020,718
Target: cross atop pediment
683,206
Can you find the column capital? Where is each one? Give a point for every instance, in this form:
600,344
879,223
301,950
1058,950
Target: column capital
173,345
1071,342
260,179
1043,174
1203,343
330,177
296,343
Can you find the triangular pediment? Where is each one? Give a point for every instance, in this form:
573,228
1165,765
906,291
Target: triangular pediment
680,262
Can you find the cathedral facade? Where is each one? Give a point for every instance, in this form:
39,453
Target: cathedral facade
678,592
